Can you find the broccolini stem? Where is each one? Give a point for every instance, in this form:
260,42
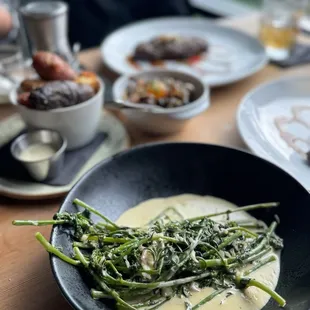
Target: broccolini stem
153,285
101,225
257,255
80,257
251,233
246,282
264,241
227,241
107,239
184,258
159,237
240,209
98,294
109,263
260,264
111,292
49,248
253,225
208,298
216,262
39,223
139,271
91,209
82,245
252,258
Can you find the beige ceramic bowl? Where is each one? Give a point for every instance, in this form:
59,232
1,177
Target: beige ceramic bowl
78,124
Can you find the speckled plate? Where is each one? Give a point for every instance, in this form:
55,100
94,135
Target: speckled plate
168,169
274,121
117,141
232,55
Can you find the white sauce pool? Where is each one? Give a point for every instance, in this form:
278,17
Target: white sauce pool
191,206
38,151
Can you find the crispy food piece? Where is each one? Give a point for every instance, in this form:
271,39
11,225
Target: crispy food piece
88,78
157,88
50,66
170,47
30,84
165,92
59,94
23,99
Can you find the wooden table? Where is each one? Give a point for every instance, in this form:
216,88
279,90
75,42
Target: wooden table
26,279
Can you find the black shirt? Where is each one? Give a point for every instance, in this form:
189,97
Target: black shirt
91,20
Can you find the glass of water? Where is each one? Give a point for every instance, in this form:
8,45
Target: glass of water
279,26
13,46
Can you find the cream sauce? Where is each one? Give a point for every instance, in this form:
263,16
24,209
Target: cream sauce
38,151
191,206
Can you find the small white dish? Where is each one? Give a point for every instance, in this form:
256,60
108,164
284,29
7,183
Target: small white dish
232,56
78,124
274,121
162,121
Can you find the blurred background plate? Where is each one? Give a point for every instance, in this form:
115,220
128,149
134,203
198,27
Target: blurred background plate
274,121
6,85
232,55
116,141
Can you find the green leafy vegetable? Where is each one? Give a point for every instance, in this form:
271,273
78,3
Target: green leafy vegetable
165,259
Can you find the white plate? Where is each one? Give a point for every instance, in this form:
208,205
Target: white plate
269,107
232,55
116,141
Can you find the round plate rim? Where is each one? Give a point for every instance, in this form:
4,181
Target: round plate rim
260,64
247,136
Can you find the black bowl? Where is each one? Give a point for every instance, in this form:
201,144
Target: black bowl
163,170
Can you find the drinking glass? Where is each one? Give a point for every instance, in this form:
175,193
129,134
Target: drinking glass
14,55
279,26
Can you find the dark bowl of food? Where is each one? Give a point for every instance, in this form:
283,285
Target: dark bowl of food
60,99
174,96
183,226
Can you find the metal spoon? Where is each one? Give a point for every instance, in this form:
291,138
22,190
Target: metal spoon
121,105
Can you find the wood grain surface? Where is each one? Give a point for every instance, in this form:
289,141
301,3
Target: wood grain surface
26,279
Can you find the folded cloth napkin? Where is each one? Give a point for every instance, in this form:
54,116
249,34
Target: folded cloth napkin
299,55
73,163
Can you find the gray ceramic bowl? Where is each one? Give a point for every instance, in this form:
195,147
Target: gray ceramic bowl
163,121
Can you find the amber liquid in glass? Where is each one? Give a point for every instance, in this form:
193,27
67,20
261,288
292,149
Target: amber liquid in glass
278,37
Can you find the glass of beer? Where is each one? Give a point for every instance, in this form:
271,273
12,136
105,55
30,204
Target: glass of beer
279,26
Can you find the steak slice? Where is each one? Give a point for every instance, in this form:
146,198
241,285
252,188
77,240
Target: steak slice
170,48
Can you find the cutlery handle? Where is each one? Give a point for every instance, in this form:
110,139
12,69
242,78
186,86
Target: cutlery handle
114,105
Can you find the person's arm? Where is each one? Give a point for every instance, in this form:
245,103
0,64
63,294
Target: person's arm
6,22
